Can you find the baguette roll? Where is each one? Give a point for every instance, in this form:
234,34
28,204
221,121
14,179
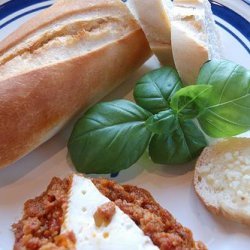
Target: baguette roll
58,64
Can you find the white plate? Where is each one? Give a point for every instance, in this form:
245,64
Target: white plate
172,187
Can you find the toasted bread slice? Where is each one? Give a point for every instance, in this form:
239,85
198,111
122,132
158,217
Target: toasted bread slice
222,179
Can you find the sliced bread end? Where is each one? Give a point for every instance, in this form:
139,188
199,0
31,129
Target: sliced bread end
154,17
194,37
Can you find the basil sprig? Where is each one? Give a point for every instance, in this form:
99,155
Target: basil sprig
112,136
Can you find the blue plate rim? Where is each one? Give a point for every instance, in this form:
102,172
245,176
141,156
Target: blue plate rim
219,10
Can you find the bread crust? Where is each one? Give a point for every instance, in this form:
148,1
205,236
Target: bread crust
209,153
60,10
36,104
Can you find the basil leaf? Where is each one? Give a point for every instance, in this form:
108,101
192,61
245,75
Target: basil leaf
110,137
186,101
163,122
154,90
182,145
227,109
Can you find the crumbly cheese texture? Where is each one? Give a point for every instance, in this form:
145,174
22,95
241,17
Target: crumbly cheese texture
121,233
225,180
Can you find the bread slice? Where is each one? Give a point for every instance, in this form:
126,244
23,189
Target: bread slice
155,19
194,37
79,213
222,179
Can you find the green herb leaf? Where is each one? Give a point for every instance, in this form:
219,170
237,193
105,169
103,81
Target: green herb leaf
186,101
163,122
227,109
154,90
182,145
110,137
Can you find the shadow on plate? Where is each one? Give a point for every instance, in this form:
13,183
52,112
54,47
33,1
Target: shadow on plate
166,170
31,161
145,164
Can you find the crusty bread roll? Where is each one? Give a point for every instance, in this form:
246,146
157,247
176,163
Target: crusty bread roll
155,19
59,63
222,179
194,37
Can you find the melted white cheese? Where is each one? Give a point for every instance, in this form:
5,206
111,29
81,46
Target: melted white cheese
121,233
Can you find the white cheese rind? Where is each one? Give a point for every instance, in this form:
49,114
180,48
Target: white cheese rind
121,233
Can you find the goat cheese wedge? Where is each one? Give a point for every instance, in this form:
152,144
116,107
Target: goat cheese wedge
120,232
